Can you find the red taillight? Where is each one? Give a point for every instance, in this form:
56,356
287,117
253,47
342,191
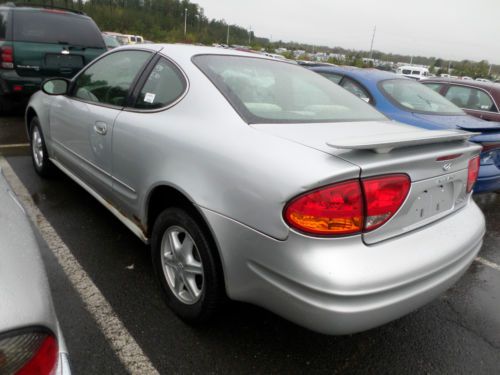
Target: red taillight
383,196
28,353
7,57
348,207
332,210
472,173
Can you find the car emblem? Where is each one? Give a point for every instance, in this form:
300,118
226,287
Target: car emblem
65,52
447,166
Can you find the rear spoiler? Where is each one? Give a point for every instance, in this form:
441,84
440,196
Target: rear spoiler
385,143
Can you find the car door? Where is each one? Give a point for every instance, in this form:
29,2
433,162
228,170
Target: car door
81,123
474,101
143,133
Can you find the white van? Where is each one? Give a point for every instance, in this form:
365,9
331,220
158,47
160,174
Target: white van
415,72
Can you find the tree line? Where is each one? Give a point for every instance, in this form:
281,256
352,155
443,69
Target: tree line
163,21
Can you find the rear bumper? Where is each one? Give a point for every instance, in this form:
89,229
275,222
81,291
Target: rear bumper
9,78
63,367
342,286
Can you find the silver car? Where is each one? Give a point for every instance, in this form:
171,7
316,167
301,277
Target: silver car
262,181
30,338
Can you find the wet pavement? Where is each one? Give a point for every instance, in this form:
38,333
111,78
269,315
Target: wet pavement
457,333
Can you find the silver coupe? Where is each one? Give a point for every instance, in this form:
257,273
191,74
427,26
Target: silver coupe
259,180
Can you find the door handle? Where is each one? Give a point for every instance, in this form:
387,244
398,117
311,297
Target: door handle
100,127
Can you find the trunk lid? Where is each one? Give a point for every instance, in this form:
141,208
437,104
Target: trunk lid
438,186
464,122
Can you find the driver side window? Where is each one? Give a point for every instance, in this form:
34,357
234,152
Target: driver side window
108,80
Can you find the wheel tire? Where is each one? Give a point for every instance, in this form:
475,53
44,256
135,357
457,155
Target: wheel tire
199,309
39,155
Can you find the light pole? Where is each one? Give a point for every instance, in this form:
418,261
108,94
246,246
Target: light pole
185,22
373,39
249,35
227,36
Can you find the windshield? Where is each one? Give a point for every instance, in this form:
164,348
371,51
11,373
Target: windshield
269,91
414,96
56,27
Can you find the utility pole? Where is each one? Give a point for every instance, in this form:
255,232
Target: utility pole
411,60
449,66
227,36
489,70
249,34
373,39
185,22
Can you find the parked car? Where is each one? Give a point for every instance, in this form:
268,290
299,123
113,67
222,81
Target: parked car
110,41
477,98
37,43
30,338
120,38
410,102
258,178
134,39
415,72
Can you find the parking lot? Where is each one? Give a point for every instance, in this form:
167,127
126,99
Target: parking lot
91,256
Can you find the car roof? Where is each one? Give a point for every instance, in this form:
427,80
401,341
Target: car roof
187,51
468,82
365,74
39,8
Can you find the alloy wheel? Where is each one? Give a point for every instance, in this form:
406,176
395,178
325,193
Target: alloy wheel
182,265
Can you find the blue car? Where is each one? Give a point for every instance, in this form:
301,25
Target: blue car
408,101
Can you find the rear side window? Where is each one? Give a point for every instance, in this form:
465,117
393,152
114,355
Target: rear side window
356,89
164,86
406,71
435,86
470,98
335,78
56,27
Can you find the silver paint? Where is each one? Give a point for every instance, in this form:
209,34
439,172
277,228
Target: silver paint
240,177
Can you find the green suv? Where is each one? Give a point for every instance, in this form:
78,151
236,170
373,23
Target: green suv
37,43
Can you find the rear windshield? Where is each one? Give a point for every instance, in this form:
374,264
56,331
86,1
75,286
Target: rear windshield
56,27
269,91
416,97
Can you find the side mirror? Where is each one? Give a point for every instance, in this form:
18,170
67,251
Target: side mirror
55,86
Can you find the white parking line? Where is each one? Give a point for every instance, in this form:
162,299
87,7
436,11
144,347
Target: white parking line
122,342
15,145
488,263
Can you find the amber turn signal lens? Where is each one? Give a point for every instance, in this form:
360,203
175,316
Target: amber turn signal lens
333,210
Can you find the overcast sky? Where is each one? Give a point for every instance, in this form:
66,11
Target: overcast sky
450,29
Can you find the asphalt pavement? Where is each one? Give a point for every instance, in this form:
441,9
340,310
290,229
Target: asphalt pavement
458,333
